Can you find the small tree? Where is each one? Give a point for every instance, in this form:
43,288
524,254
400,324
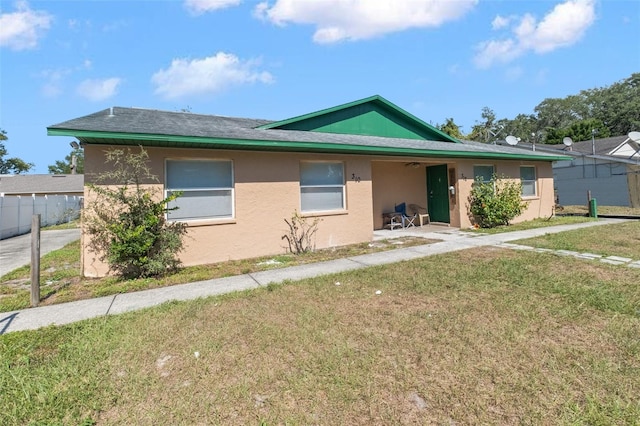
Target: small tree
496,202
126,220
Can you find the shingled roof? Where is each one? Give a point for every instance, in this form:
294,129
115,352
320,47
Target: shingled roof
603,148
41,184
148,127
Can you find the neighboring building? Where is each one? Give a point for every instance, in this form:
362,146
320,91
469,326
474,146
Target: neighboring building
348,165
42,185
607,168
56,198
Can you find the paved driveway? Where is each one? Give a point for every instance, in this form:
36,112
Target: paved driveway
16,252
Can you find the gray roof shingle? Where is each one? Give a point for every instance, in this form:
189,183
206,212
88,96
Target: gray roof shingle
41,184
149,122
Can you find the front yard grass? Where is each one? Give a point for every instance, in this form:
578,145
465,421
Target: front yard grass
621,239
504,337
532,224
602,210
61,281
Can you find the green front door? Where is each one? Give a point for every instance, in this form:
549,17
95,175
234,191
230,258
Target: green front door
438,193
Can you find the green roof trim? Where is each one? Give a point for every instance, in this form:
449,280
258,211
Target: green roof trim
323,120
106,138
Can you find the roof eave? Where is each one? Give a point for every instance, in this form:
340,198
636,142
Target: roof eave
321,147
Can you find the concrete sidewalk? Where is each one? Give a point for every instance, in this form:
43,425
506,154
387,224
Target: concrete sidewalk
453,240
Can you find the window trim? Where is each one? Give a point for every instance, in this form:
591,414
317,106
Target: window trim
534,180
343,187
204,220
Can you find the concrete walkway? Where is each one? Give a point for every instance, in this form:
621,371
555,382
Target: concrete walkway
452,240
16,252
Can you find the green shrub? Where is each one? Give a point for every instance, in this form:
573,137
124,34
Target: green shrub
126,220
496,202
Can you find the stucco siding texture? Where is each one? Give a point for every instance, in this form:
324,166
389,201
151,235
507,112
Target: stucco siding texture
267,191
540,205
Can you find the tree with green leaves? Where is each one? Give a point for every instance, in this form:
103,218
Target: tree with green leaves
520,127
611,111
486,130
12,165
617,106
582,130
451,128
65,167
125,218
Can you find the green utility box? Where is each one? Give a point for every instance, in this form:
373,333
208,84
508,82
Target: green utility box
593,208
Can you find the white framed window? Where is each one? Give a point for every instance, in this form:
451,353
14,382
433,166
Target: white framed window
528,181
322,186
483,171
206,186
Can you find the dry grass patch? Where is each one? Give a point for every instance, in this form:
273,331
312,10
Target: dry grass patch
485,336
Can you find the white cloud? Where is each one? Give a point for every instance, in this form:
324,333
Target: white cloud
21,29
563,26
500,22
338,20
98,89
198,7
496,51
212,74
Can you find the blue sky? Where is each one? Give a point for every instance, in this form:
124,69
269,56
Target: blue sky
277,59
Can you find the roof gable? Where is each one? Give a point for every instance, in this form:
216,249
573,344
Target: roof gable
629,148
373,116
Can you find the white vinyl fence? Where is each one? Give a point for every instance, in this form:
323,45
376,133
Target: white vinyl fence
16,211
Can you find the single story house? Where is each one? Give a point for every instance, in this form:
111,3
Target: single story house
56,198
347,165
29,185
608,169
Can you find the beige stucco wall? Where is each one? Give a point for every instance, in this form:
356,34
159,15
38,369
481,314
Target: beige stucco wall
395,183
267,190
539,206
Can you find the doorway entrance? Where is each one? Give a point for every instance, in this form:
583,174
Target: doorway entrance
438,193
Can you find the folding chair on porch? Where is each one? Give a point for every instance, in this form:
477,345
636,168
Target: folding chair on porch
407,221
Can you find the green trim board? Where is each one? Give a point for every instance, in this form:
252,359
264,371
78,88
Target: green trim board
118,138
372,116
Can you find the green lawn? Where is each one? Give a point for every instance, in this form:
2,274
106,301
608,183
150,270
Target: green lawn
483,336
60,278
608,240
532,224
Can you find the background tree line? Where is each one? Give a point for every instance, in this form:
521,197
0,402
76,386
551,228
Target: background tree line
609,111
